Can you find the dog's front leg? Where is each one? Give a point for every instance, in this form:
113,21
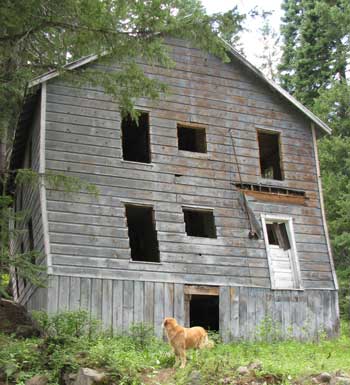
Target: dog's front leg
183,358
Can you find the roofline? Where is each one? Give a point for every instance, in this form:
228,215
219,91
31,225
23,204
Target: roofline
278,88
275,87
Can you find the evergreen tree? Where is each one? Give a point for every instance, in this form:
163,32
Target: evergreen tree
315,46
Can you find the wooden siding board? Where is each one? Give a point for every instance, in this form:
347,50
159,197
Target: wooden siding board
107,303
179,304
117,315
74,294
96,298
139,300
85,294
128,305
149,303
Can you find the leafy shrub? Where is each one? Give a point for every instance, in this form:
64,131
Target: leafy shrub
67,325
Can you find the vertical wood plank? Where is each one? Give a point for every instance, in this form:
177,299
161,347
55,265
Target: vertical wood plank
107,303
224,313
85,294
251,321
234,310
179,305
260,309
74,300
63,299
52,294
243,313
158,308
128,305
169,300
117,311
138,301
149,303
96,298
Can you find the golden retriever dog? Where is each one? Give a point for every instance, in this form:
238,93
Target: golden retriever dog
181,339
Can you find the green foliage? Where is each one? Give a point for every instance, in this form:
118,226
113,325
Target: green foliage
315,46
73,340
343,274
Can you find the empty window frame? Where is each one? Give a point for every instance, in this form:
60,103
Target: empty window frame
270,155
142,233
135,138
199,222
281,253
191,138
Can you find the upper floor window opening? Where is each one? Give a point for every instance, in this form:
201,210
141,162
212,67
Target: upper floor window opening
191,138
270,155
135,138
199,222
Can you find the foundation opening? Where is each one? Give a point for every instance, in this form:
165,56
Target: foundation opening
199,223
191,138
204,311
135,138
142,233
270,157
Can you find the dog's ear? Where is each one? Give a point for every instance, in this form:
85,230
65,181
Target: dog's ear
166,321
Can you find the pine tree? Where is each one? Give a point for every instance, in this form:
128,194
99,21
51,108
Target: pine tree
315,46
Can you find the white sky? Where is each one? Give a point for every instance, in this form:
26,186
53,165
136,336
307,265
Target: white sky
250,38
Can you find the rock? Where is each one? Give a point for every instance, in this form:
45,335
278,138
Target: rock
37,380
314,380
195,378
243,371
88,376
342,380
324,377
256,365
69,379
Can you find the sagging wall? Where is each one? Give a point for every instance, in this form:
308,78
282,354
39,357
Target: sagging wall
242,311
27,202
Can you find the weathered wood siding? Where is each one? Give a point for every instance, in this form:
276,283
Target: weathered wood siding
245,313
89,234
28,203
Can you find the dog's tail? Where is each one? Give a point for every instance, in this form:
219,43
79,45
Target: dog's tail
206,343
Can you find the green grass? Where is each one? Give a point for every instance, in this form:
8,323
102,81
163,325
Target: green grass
73,342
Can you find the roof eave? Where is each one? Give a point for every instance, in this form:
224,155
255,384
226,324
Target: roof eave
319,123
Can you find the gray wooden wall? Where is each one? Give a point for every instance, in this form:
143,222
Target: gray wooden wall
28,205
88,234
243,311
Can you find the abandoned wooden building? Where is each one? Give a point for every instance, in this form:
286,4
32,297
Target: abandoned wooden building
209,207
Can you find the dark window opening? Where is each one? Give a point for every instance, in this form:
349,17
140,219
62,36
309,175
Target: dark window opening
142,233
191,139
199,223
135,138
204,311
270,159
277,235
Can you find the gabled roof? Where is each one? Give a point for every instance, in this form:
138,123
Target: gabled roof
232,51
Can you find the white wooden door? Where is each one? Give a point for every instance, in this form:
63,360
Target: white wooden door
282,267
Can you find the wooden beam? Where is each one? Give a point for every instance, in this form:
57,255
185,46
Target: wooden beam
277,198
201,290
